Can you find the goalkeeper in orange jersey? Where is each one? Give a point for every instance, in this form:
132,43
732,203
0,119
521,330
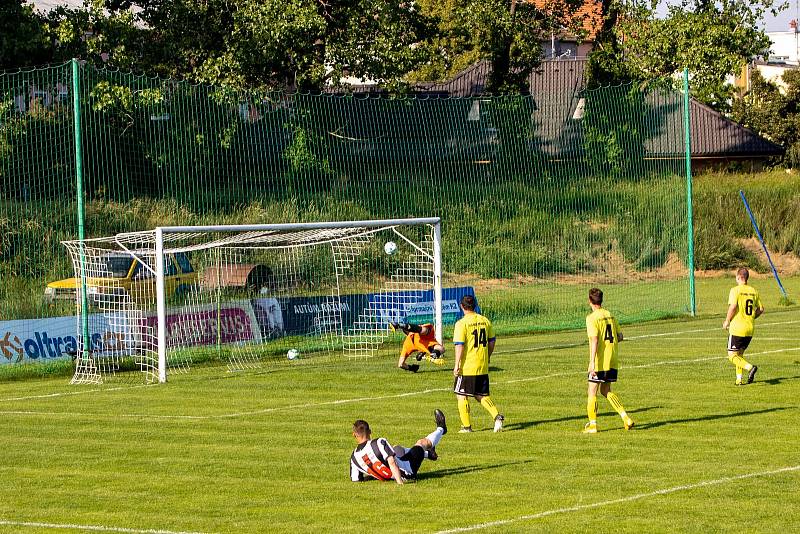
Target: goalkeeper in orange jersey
421,342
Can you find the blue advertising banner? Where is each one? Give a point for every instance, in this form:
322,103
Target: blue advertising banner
300,316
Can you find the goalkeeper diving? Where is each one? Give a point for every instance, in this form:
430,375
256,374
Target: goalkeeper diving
421,343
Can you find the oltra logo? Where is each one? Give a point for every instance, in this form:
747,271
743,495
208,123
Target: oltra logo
11,347
45,345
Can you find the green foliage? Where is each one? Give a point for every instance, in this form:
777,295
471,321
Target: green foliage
712,39
772,112
23,41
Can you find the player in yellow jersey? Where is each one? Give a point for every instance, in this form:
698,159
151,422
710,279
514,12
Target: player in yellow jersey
744,307
604,336
474,340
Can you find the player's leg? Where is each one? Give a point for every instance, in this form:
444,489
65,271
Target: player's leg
406,351
429,442
616,403
736,347
591,409
482,395
463,413
435,354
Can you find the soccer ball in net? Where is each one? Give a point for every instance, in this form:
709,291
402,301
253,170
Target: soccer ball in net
293,354
390,247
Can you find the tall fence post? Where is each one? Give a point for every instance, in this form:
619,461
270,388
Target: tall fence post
76,119
687,128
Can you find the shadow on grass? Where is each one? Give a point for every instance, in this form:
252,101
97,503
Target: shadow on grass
469,469
656,424
527,424
777,380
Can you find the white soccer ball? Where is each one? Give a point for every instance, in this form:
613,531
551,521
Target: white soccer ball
390,247
293,354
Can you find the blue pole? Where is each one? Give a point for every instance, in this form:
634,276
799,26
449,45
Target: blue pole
763,245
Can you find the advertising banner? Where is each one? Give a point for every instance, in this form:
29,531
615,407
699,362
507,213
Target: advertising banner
299,316
413,307
197,325
35,340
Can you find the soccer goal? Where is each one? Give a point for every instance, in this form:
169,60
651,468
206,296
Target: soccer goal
161,301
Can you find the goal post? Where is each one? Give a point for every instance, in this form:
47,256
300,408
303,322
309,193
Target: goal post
253,292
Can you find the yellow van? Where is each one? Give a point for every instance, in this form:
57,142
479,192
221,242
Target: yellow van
126,278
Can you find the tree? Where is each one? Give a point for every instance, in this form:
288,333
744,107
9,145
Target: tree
507,33
305,44
23,41
772,113
712,39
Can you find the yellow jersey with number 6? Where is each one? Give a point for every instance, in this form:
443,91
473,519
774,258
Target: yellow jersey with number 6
474,331
747,300
602,325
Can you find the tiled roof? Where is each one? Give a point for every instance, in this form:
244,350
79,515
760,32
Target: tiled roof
557,87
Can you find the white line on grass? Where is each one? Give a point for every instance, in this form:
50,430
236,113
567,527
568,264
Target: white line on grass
571,344
76,392
94,528
638,496
360,399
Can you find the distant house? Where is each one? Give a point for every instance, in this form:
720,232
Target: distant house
716,141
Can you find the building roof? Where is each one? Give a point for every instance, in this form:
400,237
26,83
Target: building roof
557,88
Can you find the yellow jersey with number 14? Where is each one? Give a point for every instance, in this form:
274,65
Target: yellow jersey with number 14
747,300
602,325
474,331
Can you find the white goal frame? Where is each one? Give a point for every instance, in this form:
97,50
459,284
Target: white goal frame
160,232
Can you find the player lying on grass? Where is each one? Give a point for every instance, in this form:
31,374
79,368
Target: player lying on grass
744,307
421,342
376,458
604,336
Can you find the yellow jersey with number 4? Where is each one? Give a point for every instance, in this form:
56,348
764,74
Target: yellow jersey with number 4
747,301
474,331
602,325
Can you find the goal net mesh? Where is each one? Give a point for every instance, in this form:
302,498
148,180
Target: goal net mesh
247,298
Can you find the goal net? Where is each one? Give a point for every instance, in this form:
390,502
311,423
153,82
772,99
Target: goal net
164,300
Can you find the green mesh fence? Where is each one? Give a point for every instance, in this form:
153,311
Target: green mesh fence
541,196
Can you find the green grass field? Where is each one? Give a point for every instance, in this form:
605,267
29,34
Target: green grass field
268,451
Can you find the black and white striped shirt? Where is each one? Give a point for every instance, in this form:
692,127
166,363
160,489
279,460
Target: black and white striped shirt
371,459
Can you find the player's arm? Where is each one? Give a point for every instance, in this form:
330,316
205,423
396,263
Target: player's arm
759,308
732,309
492,339
459,338
355,474
395,470
593,343
459,351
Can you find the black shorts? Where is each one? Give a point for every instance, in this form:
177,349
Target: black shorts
472,385
604,377
414,457
738,343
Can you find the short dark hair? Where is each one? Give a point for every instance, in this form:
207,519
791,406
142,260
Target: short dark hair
468,302
361,428
595,296
744,273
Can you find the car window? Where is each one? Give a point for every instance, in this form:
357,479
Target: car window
169,266
183,261
118,266
140,272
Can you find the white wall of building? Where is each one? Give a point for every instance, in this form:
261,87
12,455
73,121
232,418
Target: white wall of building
784,47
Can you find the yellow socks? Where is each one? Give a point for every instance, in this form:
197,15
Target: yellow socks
738,361
613,398
463,411
488,404
591,408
